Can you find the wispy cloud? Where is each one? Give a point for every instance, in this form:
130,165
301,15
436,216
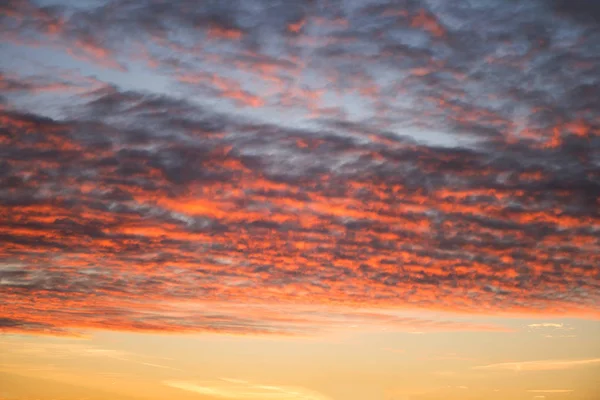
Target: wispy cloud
243,390
559,336
299,320
78,350
551,390
547,325
542,365
554,327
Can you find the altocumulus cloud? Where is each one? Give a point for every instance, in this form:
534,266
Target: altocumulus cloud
395,154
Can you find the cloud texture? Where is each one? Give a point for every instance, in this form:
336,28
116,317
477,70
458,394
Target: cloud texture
389,154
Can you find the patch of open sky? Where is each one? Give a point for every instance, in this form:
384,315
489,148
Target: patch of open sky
38,61
82,4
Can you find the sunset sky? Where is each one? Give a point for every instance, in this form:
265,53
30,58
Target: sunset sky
299,199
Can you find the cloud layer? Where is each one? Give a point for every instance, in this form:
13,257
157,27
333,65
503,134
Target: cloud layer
393,154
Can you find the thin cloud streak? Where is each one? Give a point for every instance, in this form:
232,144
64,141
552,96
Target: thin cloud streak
77,351
551,391
546,325
543,365
243,390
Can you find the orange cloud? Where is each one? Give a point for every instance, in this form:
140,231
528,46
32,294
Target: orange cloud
428,22
90,51
219,32
226,87
295,27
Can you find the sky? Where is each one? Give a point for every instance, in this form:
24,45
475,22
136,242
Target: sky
299,200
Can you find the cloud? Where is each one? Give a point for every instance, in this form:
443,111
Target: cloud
581,10
560,336
238,389
553,326
389,156
547,325
240,319
82,350
249,186
543,365
551,390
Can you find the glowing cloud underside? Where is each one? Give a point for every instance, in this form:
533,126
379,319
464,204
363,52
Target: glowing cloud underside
270,153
